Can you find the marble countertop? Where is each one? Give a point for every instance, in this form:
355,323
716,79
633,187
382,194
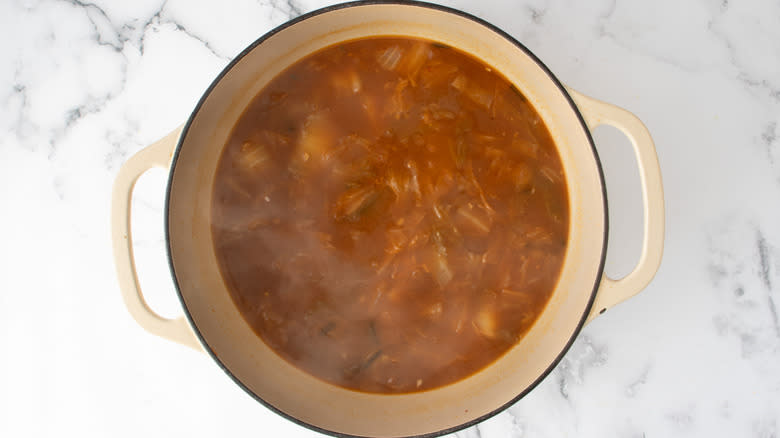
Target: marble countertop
84,85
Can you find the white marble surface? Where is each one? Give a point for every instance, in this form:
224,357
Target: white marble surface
85,85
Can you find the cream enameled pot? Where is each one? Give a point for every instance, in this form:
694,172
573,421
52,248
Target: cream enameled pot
214,324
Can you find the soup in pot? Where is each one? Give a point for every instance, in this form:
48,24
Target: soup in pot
390,215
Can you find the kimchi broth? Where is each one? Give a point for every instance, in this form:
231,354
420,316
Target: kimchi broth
390,215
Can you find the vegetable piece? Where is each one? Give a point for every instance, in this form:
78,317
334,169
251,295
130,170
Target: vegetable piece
413,183
355,82
380,290
498,157
441,270
551,175
526,144
460,151
539,236
473,219
555,208
485,322
316,65
433,112
390,57
441,114
354,202
469,174
398,104
413,60
393,181
237,188
428,120
482,138
538,265
438,119
442,186
473,91
297,110
353,371
358,202
437,240
351,162
396,239
461,317
406,62
252,156
350,148
325,240
522,177
516,298
444,235
368,103
347,81
434,311
460,83
273,100
317,136
435,73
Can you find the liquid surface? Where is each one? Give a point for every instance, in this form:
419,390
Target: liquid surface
390,215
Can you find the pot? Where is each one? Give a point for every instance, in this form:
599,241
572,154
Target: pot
212,322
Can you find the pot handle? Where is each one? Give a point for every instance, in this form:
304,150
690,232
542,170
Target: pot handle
157,155
612,292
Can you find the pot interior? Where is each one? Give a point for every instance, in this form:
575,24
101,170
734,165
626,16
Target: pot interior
297,394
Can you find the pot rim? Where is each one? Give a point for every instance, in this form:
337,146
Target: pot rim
359,3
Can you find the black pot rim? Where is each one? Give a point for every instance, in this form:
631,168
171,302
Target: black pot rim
420,4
